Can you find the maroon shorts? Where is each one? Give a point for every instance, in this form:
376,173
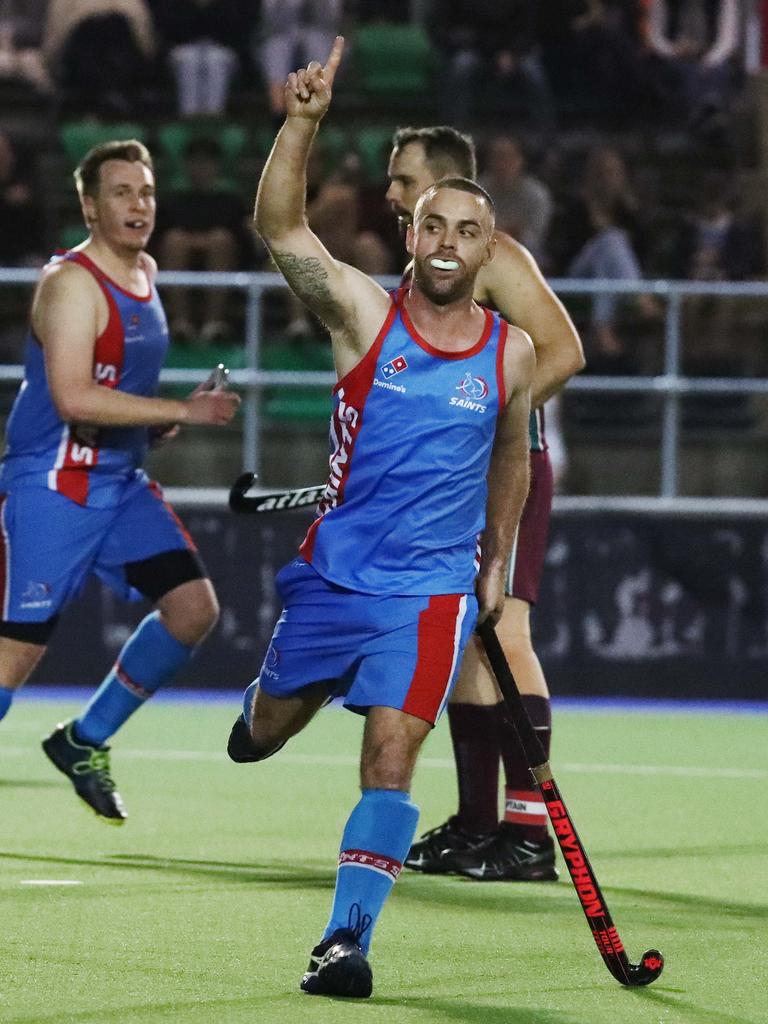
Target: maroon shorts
526,562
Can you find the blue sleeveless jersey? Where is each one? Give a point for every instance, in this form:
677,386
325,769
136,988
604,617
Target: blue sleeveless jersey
411,438
536,432
92,467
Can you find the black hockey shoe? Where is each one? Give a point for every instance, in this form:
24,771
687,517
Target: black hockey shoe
506,857
337,965
87,768
429,853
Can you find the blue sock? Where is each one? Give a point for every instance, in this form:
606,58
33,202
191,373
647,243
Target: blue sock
150,657
376,839
6,698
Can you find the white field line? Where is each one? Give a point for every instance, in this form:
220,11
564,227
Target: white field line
49,881
343,760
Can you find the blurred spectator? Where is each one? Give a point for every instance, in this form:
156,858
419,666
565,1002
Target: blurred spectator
691,65
719,241
591,52
202,226
333,211
21,241
523,203
99,53
489,49
292,33
604,181
206,44
601,226
21,56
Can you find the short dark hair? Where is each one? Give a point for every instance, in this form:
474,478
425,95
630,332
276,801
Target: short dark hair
446,150
87,171
462,185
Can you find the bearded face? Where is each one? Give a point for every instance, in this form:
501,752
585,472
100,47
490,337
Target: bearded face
450,240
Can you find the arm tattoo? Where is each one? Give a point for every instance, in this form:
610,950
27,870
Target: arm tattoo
306,276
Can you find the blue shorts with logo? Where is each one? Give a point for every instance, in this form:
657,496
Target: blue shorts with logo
50,544
390,651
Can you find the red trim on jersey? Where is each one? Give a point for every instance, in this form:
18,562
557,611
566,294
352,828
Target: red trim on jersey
503,331
356,386
4,557
109,349
435,656
440,353
98,273
156,490
72,475
364,367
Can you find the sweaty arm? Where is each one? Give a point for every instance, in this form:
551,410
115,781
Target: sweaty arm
508,475
513,284
69,312
351,305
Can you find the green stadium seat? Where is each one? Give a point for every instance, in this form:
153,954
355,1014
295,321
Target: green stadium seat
77,137
373,146
173,137
71,235
302,404
392,58
204,358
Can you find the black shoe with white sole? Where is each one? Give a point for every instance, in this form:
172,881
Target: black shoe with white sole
506,857
430,854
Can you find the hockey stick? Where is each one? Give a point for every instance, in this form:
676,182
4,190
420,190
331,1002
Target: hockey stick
583,877
277,501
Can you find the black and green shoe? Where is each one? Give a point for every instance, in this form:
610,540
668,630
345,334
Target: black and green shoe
87,768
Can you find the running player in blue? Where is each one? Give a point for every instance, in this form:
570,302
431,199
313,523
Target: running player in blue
429,436
73,497
473,842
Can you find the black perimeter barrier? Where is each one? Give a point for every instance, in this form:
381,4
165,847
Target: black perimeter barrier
631,606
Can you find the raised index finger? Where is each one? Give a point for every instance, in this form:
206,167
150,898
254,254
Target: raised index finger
334,59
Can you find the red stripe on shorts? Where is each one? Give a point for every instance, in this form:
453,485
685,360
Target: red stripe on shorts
156,490
435,658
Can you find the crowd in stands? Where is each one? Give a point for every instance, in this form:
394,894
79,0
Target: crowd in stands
523,76
682,57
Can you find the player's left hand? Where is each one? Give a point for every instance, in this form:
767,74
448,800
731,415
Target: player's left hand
489,590
308,91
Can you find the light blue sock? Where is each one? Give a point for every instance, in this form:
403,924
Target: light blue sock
6,699
150,657
374,845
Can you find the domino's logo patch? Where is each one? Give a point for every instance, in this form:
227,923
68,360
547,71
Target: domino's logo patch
394,366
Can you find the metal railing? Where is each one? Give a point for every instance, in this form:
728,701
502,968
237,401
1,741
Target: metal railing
671,384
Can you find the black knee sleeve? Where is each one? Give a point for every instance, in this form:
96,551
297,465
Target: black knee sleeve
30,632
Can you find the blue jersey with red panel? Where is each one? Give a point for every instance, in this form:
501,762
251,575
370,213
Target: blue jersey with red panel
92,466
411,438
536,433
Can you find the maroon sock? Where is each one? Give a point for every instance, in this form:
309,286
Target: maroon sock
476,751
523,803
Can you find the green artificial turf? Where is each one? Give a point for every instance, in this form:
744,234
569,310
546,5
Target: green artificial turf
202,908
